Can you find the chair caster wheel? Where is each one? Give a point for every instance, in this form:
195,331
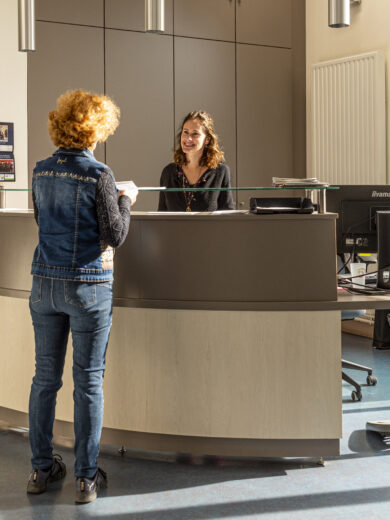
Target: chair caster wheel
356,396
372,380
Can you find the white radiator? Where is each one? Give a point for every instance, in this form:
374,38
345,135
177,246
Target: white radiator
349,120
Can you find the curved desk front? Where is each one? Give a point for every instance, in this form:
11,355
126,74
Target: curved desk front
225,337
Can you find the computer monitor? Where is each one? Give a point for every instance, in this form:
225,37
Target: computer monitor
357,207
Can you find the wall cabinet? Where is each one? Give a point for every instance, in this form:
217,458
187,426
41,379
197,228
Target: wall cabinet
243,61
265,22
85,12
264,116
205,19
142,85
205,80
69,57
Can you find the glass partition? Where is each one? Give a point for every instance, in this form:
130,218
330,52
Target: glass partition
316,193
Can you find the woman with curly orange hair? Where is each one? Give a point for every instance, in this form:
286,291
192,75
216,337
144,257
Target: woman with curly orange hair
199,163
81,220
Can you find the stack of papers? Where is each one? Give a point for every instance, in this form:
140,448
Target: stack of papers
126,185
294,182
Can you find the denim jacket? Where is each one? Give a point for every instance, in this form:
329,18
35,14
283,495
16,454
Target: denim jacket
64,191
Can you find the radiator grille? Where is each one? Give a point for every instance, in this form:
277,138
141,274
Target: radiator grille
349,120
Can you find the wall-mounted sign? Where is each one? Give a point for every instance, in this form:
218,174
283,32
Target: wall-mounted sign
7,159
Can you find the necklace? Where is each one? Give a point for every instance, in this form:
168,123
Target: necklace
189,196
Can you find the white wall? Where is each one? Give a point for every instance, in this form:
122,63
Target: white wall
369,30
13,97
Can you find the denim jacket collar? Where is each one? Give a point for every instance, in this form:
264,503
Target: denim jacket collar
75,151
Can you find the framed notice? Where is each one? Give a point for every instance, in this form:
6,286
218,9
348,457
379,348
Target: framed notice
7,159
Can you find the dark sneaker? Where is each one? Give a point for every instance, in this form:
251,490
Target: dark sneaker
40,478
87,488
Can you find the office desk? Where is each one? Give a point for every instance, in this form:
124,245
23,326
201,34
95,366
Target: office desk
225,339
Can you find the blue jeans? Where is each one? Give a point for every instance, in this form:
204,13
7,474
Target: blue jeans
85,309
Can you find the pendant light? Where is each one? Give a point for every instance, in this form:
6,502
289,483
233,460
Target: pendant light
26,25
155,16
339,12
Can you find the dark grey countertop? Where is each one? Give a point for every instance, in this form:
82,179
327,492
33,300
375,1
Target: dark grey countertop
180,215
194,261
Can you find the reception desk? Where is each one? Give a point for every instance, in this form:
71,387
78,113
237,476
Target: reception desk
225,337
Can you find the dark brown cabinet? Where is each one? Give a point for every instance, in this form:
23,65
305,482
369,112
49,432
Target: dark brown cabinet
264,116
142,85
68,57
205,80
84,12
211,19
243,61
264,22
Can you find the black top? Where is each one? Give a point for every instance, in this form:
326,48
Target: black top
113,213
173,177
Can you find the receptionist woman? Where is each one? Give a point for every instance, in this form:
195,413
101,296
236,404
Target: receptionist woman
199,163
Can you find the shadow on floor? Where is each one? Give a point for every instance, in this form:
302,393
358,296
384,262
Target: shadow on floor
127,477
315,501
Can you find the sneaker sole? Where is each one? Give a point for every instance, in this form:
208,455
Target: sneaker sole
33,489
85,499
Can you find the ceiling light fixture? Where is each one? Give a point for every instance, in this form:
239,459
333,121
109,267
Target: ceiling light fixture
339,12
26,14
154,16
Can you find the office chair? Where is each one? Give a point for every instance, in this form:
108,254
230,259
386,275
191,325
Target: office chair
371,380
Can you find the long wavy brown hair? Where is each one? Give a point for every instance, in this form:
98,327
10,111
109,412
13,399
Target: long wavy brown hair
212,152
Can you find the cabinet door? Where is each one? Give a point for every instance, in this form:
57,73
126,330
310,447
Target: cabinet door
205,80
205,19
130,15
69,57
264,22
264,116
139,76
85,12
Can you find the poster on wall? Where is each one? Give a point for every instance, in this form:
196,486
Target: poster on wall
7,159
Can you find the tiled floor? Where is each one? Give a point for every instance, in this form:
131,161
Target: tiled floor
355,485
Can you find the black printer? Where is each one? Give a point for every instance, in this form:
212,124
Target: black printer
271,205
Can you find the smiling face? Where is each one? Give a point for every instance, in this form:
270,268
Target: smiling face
193,137
197,142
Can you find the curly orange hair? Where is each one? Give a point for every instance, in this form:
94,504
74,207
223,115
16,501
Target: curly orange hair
82,118
212,152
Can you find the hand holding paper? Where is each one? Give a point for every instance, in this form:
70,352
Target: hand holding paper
129,189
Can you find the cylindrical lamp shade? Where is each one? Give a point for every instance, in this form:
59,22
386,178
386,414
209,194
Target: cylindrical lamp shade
339,12
155,16
26,25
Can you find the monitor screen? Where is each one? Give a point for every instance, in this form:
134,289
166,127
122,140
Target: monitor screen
357,207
